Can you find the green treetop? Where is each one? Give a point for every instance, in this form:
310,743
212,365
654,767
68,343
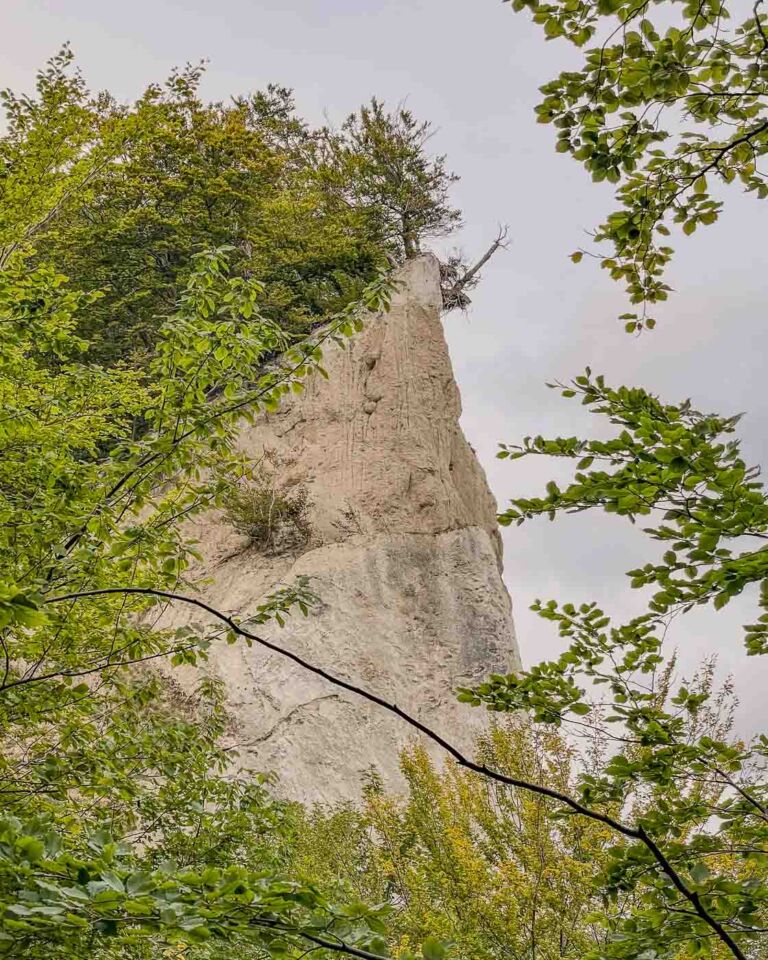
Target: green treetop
309,213
670,102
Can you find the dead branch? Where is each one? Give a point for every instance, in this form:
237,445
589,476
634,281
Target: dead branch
455,295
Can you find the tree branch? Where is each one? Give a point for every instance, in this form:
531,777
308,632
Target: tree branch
632,833
759,25
337,946
454,296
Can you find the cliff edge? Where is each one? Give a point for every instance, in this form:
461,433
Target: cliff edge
403,552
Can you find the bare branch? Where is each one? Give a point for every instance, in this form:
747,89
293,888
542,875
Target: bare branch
454,296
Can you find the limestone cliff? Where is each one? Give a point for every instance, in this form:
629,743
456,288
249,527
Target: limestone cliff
404,553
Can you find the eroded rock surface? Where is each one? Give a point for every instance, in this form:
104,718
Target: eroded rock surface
404,553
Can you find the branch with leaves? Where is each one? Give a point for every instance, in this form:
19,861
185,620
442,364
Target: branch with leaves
681,469
648,837
672,104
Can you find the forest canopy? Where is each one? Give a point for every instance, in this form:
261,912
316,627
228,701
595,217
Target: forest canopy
126,195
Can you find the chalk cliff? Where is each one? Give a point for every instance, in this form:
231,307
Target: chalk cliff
404,554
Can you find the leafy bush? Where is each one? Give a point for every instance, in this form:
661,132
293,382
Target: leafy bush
273,517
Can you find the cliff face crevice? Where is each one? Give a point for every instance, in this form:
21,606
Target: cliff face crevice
404,554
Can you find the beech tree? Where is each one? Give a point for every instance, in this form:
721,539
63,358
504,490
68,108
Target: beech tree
490,870
474,865
121,822
112,787
670,103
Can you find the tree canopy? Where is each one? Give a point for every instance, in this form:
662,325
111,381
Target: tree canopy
311,213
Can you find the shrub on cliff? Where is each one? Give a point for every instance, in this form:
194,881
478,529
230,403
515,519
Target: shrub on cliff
272,516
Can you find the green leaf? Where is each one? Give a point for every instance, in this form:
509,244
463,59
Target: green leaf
113,881
433,949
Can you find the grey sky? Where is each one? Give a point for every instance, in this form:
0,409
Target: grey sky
473,67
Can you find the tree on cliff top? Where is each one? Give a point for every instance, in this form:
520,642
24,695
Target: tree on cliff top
379,163
310,213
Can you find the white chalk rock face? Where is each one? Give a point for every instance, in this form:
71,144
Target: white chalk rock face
404,554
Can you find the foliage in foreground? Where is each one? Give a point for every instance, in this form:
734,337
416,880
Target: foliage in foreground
684,471
669,104
116,809
688,806
122,820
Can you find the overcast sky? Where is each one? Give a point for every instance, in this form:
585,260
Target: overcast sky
473,67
